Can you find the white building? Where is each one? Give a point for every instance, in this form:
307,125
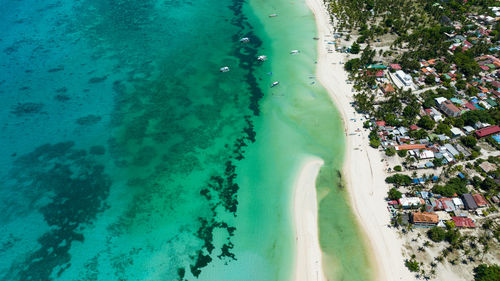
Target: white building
440,100
426,154
410,202
404,78
458,202
456,132
468,129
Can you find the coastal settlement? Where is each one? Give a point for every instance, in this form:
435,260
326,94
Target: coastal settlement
427,81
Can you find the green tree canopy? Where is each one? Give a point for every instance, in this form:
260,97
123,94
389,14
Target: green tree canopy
398,180
436,234
485,272
469,141
394,194
426,122
355,48
455,185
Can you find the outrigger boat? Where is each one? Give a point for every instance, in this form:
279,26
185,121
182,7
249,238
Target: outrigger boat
262,58
273,15
245,40
224,69
275,83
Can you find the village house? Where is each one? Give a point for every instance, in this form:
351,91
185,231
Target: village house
456,132
450,109
484,132
469,202
425,219
463,222
487,167
480,201
448,205
410,202
458,202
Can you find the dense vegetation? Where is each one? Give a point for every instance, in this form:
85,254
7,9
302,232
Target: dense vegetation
398,180
485,272
452,187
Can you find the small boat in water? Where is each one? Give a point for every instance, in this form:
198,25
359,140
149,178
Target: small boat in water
262,58
245,40
273,15
224,69
275,83
294,52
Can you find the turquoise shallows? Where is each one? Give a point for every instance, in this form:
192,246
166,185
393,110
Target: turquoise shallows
127,155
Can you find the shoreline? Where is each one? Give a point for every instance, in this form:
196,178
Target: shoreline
366,192
308,263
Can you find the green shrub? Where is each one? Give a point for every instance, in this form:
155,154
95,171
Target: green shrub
412,265
436,234
375,143
390,151
394,194
402,153
485,272
398,180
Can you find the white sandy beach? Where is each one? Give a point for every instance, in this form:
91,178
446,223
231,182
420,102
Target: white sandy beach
363,169
308,257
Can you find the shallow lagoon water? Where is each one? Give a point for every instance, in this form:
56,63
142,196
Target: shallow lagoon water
127,155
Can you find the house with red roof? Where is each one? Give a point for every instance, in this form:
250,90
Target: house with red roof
450,109
395,66
410,146
480,201
470,106
463,222
484,132
388,88
378,74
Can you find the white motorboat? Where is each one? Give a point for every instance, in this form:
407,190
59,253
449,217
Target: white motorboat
245,40
262,58
294,52
224,69
273,15
275,83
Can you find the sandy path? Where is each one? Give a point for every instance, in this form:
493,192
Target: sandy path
308,266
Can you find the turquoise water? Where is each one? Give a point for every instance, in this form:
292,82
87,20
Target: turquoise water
127,155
